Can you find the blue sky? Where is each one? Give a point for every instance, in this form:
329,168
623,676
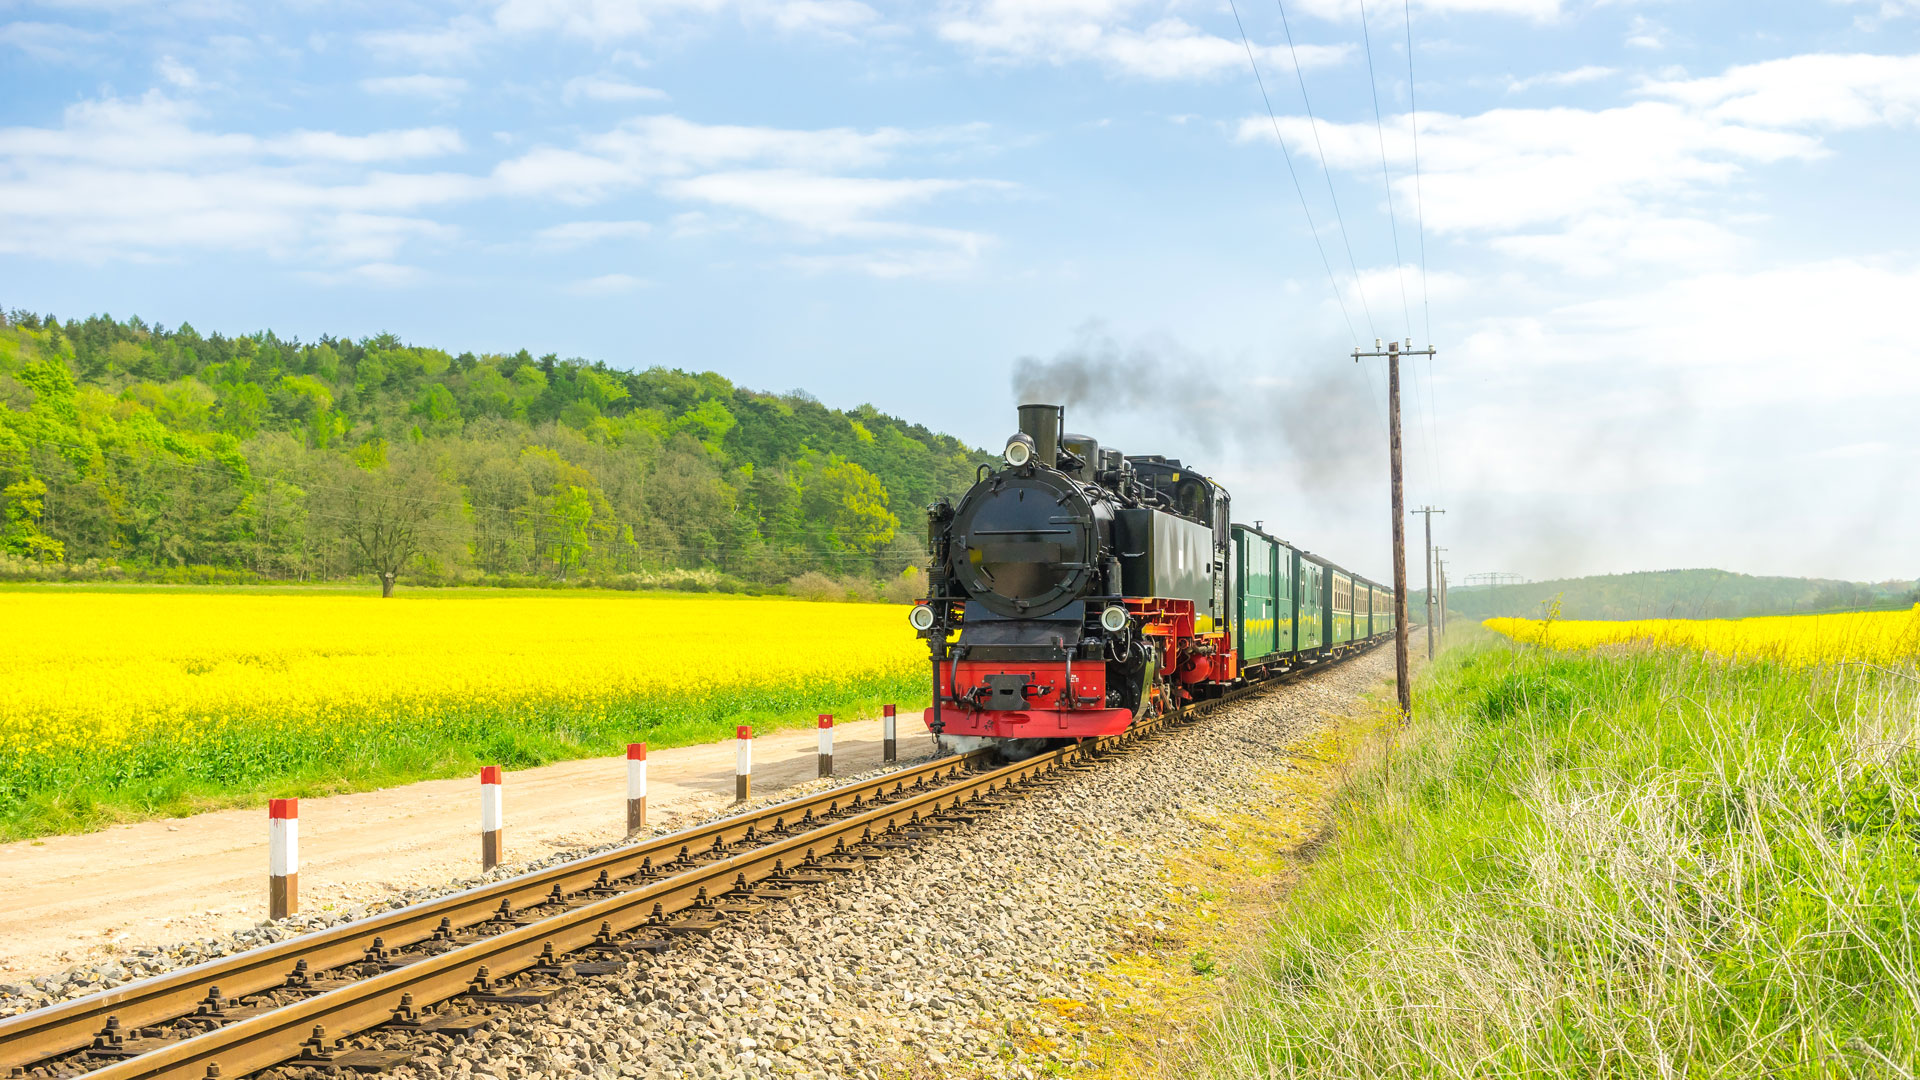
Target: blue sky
1669,246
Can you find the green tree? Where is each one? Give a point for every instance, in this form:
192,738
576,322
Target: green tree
388,515
25,500
572,511
847,506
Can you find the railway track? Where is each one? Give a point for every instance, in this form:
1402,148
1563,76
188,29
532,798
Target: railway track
449,965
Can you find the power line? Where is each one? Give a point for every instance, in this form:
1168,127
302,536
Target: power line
1420,216
1301,191
1386,178
1421,407
1419,200
1314,126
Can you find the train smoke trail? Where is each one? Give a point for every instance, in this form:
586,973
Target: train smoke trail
1318,427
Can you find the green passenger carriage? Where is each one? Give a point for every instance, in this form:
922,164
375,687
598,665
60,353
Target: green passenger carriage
1291,607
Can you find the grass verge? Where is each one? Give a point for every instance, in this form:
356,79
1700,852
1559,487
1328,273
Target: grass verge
1624,863
244,764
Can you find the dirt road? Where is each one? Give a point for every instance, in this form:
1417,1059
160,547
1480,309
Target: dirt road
77,899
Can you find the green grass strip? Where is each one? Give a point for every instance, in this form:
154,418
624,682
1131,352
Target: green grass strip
1629,863
245,762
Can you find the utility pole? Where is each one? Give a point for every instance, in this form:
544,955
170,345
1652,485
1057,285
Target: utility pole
1440,567
1428,512
1402,675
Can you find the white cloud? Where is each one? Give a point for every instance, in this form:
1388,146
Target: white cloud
137,179
1537,10
603,22
1814,90
353,235
177,73
1382,284
892,262
1759,419
829,205
1599,245
143,179
458,42
593,20
1114,33
602,88
579,233
440,88
608,285
1515,168
645,148
1575,77
833,18
800,180
1644,33
50,42
386,274
1883,11
1656,184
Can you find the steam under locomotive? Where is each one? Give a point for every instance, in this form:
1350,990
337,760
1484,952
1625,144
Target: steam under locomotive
1076,589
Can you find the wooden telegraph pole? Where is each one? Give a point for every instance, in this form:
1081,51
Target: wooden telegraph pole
1402,677
1432,600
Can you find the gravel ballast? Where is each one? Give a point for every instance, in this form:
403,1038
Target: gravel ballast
956,958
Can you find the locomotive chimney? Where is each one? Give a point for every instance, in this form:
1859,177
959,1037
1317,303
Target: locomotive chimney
1041,423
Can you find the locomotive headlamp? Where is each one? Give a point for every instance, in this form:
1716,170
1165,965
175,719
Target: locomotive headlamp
921,617
1113,619
1019,450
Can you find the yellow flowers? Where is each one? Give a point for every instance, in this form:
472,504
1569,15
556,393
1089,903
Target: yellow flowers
170,691
1871,636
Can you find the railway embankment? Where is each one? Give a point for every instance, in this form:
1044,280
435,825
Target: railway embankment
979,951
985,953
1629,860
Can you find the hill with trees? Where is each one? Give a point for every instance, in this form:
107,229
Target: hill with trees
128,449
1674,594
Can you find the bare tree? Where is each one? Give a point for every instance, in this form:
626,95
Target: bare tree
390,514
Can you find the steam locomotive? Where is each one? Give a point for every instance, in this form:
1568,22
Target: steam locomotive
1077,589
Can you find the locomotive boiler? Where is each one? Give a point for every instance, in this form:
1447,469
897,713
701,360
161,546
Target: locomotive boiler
1075,589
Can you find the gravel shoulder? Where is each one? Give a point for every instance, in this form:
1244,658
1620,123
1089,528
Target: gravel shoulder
187,888
989,953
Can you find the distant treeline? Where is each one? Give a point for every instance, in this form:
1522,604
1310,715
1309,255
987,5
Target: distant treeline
127,448
1676,594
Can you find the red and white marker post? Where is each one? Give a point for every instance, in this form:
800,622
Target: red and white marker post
826,744
283,857
490,814
636,787
742,763
887,744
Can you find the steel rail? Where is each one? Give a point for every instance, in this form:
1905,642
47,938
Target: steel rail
698,875
271,1038
36,1036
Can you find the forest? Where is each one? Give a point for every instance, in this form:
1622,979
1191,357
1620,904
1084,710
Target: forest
128,450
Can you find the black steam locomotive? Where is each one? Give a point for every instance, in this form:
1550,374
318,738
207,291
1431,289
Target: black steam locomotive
1076,589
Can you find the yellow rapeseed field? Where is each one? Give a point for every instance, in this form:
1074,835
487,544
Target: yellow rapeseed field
1870,636
162,693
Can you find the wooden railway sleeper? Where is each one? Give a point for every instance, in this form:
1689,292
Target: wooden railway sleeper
939,815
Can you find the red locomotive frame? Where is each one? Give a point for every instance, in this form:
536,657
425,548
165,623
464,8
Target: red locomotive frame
1187,658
